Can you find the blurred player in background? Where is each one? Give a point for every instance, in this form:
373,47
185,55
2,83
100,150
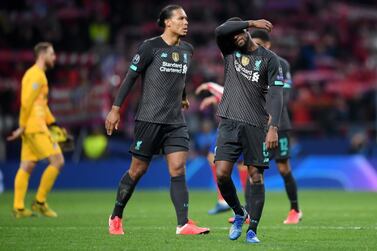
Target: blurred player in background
37,144
250,72
160,126
282,153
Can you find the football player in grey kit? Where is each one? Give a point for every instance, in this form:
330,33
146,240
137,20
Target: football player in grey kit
281,154
160,126
250,72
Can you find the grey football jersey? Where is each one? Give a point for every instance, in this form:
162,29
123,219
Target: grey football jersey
163,69
248,76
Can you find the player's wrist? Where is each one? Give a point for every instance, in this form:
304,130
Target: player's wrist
251,23
115,108
273,127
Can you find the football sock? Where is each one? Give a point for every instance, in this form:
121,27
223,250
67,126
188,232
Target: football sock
21,183
180,198
247,195
256,205
125,189
291,189
47,181
229,194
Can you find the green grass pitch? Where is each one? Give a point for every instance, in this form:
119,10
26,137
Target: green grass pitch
333,220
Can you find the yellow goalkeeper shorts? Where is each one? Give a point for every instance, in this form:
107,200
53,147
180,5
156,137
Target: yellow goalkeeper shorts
37,146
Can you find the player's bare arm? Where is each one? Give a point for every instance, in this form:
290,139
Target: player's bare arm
16,134
261,24
112,120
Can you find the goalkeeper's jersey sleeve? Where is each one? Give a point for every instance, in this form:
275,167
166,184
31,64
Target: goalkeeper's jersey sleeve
34,113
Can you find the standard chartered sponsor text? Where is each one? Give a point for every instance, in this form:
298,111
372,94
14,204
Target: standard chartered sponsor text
173,67
248,74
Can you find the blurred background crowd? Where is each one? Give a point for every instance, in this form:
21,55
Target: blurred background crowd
331,46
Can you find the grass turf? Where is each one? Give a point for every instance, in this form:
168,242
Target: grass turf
333,220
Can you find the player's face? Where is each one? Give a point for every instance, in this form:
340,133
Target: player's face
178,22
50,57
240,40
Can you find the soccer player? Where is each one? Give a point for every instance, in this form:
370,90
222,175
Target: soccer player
281,154
37,144
250,72
160,126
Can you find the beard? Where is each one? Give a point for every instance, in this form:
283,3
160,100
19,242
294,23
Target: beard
49,65
246,44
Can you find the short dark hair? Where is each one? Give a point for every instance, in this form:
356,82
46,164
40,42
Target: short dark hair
166,13
41,47
261,34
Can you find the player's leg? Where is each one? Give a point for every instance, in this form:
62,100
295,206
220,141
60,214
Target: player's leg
178,188
29,159
221,205
228,150
294,215
145,144
229,193
256,157
21,183
128,183
125,190
244,178
282,154
43,147
256,202
175,147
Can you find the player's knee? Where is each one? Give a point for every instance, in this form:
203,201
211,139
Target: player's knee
136,173
28,166
177,170
283,167
137,170
222,175
257,178
58,162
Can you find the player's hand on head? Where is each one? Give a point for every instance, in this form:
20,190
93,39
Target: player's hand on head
201,88
262,24
272,138
16,134
208,101
112,120
185,104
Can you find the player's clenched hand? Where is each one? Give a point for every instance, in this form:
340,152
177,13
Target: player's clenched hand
185,104
207,102
272,138
112,120
202,87
16,134
261,24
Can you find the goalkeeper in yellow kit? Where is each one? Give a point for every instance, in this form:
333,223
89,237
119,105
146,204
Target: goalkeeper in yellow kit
37,144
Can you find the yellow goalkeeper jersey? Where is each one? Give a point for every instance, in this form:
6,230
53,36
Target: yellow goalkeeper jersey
35,114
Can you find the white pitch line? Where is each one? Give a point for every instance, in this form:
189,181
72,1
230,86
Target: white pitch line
215,228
